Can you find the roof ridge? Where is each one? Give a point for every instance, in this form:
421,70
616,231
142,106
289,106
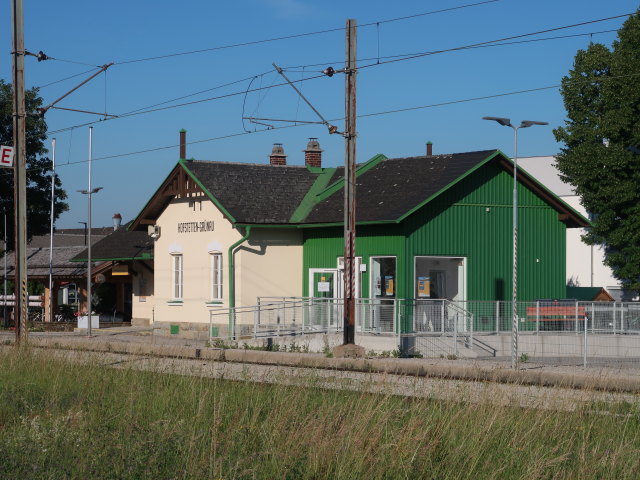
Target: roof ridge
443,155
216,162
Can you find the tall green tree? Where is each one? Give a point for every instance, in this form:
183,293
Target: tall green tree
38,167
601,153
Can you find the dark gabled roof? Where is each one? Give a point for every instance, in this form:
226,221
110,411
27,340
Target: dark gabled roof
38,262
122,244
395,186
388,190
253,193
69,237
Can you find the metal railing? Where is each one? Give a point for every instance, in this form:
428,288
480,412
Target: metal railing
436,328
561,332
562,316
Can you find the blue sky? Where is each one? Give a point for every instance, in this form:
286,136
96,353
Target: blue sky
97,33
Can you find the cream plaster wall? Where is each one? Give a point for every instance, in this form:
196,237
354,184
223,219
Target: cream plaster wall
195,247
269,264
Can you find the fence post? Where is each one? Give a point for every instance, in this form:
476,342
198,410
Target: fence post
621,317
497,317
455,333
398,321
576,317
256,313
584,348
537,316
278,320
442,319
614,318
593,316
210,328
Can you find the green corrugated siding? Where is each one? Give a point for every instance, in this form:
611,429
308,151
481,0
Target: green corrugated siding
491,185
459,224
323,246
474,220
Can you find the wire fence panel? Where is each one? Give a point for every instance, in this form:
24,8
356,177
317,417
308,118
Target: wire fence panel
375,315
563,332
435,328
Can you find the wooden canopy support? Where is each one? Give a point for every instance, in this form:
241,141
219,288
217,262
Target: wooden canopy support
177,184
181,185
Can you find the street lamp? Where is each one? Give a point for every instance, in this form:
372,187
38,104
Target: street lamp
88,192
506,122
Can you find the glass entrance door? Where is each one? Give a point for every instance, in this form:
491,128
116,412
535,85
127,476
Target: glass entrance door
325,292
322,282
383,293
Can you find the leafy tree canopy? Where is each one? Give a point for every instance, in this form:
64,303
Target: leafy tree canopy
601,153
38,167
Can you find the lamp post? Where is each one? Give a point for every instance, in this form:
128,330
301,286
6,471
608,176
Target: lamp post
506,122
51,216
88,192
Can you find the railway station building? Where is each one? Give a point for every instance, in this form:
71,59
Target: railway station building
431,226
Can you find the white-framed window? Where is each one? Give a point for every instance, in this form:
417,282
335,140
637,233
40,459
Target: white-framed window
216,275
177,276
383,277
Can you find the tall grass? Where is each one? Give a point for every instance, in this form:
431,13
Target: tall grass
62,420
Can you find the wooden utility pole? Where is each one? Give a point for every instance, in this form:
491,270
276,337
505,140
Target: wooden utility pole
20,172
350,186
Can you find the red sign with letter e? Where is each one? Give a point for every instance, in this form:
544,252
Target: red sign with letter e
6,156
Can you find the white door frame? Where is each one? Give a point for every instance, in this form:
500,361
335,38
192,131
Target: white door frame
334,271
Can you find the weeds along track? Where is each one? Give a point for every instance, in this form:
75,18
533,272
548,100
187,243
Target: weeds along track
475,392
78,414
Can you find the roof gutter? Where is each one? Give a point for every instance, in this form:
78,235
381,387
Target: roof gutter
232,284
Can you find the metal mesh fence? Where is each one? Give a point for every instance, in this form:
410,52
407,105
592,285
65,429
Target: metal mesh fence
435,328
565,332
561,332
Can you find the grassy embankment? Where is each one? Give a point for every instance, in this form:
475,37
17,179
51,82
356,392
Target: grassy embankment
61,420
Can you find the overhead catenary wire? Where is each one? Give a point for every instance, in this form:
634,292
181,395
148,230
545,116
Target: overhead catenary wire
67,78
194,102
200,92
470,47
364,115
391,59
73,61
478,45
244,102
512,37
286,37
305,34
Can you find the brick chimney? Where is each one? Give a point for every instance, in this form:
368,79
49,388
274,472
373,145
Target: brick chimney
277,156
313,153
183,144
429,149
117,220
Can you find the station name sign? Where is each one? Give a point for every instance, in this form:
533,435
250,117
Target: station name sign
194,227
